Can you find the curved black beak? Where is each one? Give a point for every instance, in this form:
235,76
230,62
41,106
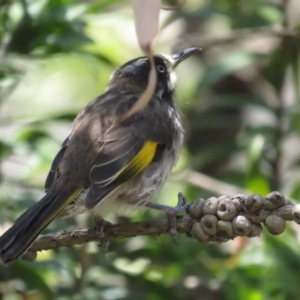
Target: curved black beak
180,56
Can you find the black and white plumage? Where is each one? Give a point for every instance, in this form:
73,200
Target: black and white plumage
107,163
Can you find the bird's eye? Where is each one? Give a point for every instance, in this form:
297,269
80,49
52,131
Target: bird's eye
161,69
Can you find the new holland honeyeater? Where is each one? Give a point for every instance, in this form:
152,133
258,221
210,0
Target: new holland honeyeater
107,163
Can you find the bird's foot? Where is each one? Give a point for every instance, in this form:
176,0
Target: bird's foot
100,224
172,213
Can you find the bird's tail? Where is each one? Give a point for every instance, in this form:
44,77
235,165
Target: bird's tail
16,240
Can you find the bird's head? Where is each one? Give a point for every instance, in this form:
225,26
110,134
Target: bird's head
134,74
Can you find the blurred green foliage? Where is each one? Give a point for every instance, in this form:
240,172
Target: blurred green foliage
240,104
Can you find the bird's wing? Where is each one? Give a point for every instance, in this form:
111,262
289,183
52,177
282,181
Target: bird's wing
116,162
54,174
125,149
129,148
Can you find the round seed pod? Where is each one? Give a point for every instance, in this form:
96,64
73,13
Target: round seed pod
238,200
196,208
296,213
226,210
256,230
241,226
210,206
199,234
30,255
274,200
253,203
225,229
223,197
209,224
240,197
275,224
289,202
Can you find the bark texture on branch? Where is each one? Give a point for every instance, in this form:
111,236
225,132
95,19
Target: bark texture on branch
211,220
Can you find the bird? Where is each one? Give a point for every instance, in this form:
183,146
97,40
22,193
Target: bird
109,162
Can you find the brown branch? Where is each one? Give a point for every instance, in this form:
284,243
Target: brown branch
216,219
118,231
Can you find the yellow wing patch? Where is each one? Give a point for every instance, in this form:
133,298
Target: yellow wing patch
140,162
142,159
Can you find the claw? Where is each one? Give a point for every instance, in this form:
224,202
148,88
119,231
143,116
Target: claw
172,213
100,227
181,200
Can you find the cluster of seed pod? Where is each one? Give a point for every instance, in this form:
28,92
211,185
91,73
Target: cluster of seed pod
241,215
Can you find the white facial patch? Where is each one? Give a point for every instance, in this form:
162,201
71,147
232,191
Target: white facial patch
172,81
169,58
173,77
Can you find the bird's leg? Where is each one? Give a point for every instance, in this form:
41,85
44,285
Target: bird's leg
172,213
100,224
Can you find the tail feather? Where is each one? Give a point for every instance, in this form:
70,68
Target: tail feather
16,240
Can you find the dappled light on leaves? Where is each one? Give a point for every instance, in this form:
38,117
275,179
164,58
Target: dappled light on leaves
240,110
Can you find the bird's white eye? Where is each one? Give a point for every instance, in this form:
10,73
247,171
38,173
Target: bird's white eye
161,69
